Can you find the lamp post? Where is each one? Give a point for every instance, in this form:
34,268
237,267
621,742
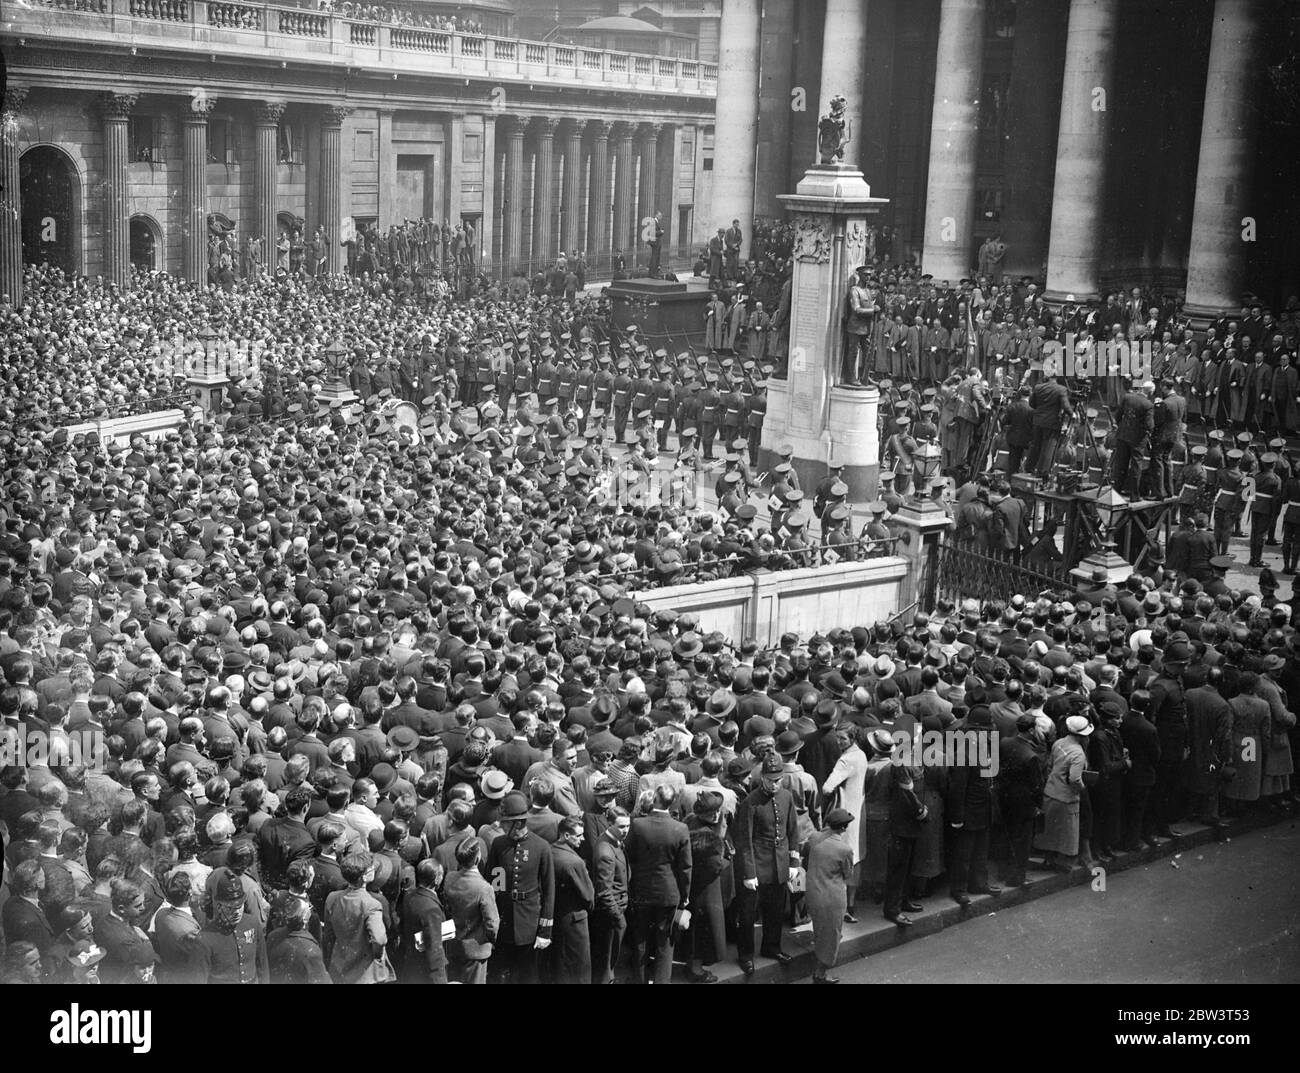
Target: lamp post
1111,508
926,460
336,384
207,380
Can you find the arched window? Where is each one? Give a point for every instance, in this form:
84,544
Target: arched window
146,244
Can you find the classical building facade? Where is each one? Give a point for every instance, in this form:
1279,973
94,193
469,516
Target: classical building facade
1108,142
134,128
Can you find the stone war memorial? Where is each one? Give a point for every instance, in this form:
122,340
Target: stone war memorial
812,410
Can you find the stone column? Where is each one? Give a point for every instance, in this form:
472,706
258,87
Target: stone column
735,138
598,197
513,247
1033,108
670,166
844,69
954,132
1216,262
624,230
11,213
387,169
194,188
115,108
649,188
544,191
331,182
1074,248
571,207
266,119
772,147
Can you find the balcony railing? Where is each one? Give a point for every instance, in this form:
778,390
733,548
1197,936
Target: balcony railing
237,29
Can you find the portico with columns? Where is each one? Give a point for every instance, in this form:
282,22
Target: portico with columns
1043,123
137,158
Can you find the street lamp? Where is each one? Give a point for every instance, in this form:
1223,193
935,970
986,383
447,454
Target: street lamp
336,386
926,460
207,339
1111,508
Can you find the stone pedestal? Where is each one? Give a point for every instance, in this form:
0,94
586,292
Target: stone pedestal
1106,559
920,528
809,411
339,390
208,389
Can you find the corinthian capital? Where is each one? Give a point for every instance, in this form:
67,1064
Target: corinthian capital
269,113
117,105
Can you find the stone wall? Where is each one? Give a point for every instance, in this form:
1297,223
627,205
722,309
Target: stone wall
765,604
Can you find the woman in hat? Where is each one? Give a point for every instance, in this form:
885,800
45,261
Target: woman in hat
1061,795
844,789
832,857
877,786
1252,727
711,853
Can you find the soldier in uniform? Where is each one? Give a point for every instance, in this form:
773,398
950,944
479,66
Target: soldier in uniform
1249,456
1227,501
523,376
785,456
731,407
710,401
645,432
664,393
925,430
1284,469
782,507
837,536
822,493
876,529
1290,512
643,388
899,450
1264,509
521,870
688,454
584,386
1191,495
602,381
735,459
755,412
797,545
892,500
546,376
687,405
729,493
622,395
566,380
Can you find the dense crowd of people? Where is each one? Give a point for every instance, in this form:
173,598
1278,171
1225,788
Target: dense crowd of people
366,696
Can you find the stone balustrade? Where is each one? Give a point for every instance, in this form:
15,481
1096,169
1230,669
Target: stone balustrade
235,29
